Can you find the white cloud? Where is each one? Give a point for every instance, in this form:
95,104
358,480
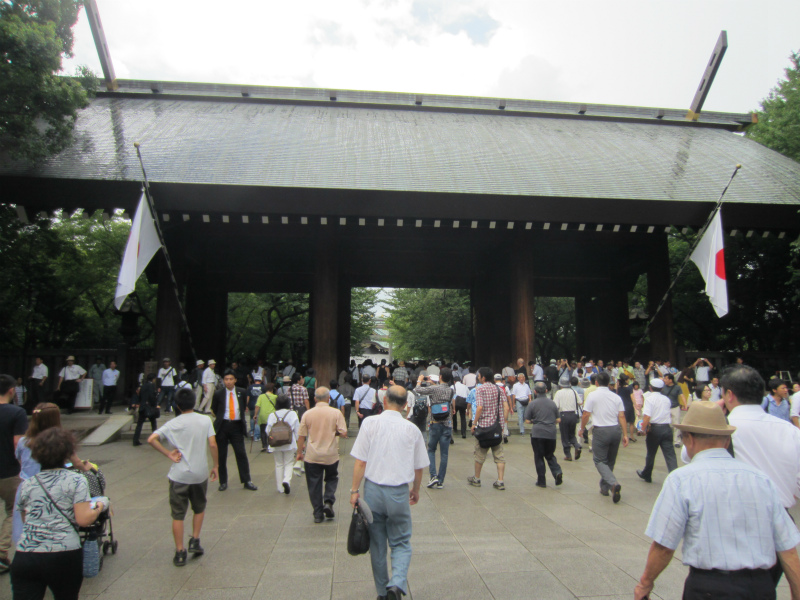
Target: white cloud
615,52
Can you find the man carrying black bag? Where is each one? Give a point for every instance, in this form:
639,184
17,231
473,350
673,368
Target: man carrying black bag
491,410
390,453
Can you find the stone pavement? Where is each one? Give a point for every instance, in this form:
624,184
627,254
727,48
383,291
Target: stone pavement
469,543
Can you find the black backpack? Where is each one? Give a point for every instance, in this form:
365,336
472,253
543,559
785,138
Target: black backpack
332,402
419,414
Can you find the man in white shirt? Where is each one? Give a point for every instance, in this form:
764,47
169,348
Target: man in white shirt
762,440
520,396
470,380
69,379
390,453
364,400
109,380
702,370
209,386
657,424
167,378
38,377
716,391
608,415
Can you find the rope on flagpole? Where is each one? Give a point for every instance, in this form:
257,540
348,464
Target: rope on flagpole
153,214
685,261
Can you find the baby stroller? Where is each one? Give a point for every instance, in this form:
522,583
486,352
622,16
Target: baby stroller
102,530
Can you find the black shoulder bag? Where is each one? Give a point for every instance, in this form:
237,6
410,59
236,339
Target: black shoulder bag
491,436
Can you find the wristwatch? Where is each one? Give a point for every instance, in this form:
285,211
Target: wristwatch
354,491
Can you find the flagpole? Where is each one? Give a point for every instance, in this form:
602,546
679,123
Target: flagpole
698,237
175,287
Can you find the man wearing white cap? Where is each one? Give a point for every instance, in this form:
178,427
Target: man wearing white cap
69,379
656,423
197,381
209,386
728,514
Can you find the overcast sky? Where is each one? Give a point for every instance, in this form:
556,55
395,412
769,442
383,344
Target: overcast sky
646,53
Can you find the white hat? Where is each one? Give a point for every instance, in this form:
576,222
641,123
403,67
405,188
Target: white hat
563,382
72,358
434,378
200,362
212,362
657,383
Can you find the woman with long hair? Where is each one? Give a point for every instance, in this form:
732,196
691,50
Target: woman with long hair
45,416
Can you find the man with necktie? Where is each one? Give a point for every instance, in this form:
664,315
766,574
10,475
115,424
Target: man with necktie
229,406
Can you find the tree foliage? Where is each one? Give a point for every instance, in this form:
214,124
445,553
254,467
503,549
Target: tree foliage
778,124
555,333
430,324
275,326
761,298
38,108
61,274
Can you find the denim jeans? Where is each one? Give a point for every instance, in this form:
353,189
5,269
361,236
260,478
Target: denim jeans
255,432
165,395
391,524
521,416
440,434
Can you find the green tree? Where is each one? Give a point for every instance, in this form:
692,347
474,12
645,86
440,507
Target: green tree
61,274
778,128
38,108
362,322
555,327
275,326
430,324
778,124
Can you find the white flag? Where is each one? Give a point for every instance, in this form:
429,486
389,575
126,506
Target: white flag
709,256
143,243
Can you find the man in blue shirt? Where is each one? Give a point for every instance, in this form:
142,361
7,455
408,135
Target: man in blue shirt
729,515
776,403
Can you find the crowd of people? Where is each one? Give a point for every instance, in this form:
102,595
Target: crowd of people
407,416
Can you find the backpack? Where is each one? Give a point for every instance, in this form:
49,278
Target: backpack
440,409
281,433
332,402
420,411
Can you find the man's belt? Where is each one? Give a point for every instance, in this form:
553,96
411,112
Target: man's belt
746,572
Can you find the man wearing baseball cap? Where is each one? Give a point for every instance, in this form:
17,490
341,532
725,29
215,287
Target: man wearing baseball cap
197,381
729,515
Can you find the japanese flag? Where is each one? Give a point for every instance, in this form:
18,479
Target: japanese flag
709,256
143,243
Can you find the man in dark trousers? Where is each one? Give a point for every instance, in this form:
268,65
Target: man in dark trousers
13,425
543,416
148,403
229,407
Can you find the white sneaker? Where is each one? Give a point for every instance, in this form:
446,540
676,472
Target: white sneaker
433,482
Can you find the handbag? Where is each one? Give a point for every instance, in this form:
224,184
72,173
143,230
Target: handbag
358,536
489,437
90,546
153,412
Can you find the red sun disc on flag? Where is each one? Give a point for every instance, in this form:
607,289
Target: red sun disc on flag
719,268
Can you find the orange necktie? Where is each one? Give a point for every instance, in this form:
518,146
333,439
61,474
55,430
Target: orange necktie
231,407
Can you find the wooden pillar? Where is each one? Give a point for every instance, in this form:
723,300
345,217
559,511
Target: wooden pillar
207,314
662,335
523,309
324,311
491,327
344,317
168,318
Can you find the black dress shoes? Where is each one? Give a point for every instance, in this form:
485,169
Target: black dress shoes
250,486
223,487
394,593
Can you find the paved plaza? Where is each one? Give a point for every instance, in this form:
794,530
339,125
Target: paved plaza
469,543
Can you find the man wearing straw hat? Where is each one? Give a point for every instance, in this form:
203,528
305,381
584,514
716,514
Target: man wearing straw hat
729,515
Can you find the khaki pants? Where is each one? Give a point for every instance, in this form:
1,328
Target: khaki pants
676,415
210,388
198,396
8,493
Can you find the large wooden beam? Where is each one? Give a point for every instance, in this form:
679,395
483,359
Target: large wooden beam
708,76
662,334
100,43
324,311
523,313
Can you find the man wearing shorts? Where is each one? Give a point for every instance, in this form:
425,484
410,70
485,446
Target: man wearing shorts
191,435
491,405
